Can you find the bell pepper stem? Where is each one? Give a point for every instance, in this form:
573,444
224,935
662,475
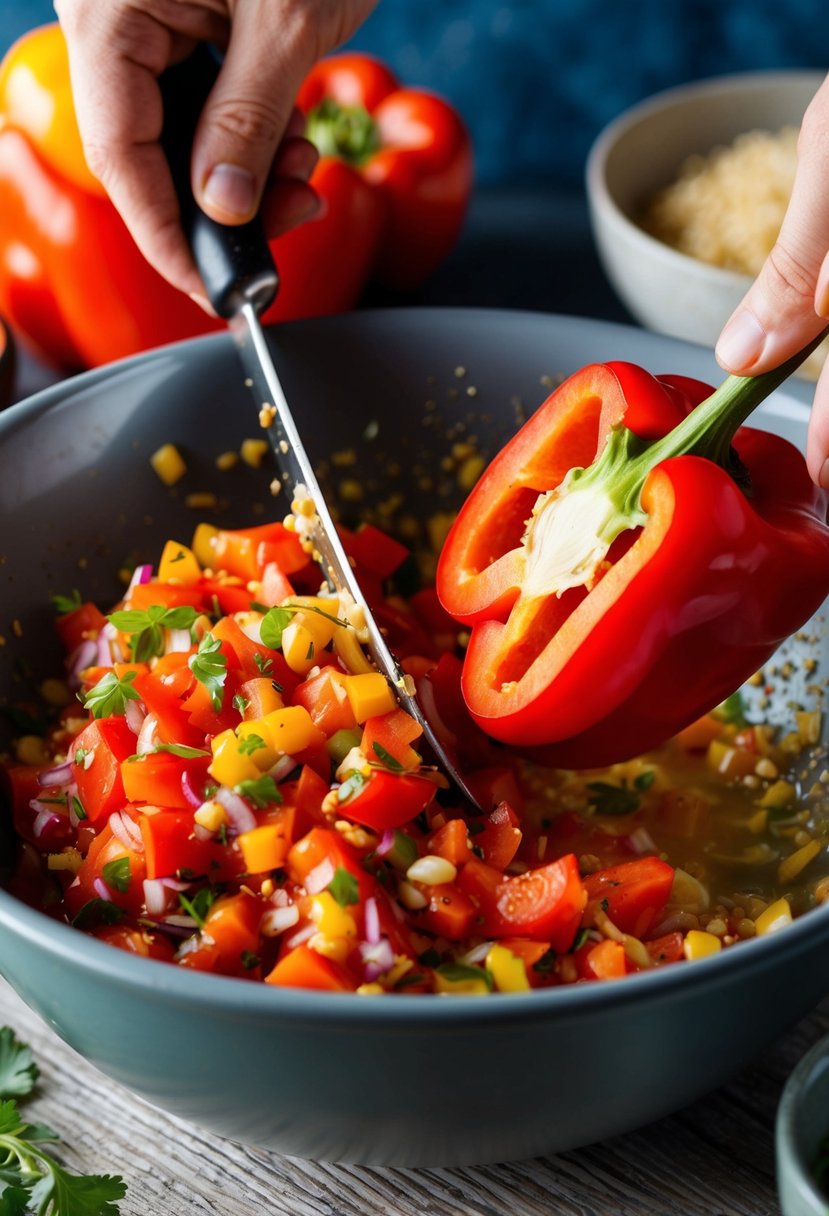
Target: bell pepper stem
346,132
573,526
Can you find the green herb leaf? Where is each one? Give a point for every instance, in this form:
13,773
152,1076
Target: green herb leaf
250,960
645,780
181,749
67,603
117,874
110,695
262,791
352,786
240,703
387,759
263,665
248,744
732,709
461,973
199,905
18,1072
78,807
147,627
98,912
273,623
607,799
344,887
209,666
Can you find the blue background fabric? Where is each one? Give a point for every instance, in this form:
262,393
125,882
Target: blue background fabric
537,79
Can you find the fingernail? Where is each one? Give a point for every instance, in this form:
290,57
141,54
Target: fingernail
741,342
822,290
203,303
230,188
823,479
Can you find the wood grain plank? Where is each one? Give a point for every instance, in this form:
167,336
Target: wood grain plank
715,1158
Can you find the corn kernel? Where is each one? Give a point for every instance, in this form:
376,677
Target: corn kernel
335,948
203,544
253,452
372,989
766,768
226,460
508,971
699,944
410,897
55,692
431,870
776,916
69,859
791,866
31,749
210,816
168,464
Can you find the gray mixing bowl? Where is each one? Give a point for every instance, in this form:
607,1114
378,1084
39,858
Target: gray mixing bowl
406,1080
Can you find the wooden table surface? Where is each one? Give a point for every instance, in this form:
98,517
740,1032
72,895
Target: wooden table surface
715,1158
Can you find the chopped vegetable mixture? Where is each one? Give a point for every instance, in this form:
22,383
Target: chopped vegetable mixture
228,785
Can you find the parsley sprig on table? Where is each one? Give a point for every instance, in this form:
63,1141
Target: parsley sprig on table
31,1180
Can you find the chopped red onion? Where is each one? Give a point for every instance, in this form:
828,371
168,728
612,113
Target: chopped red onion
59,775
46,817
102,890
140,575
193,789
378,957
386,842
146,735
283,766
126,832
240,817
277,920
82,656
135,713
476,955
251,626
156,897
178,641
302,935
320,877
640,841
372,921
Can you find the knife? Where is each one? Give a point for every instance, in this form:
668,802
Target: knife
241,281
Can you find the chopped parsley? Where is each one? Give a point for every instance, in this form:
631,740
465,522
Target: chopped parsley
261,791
199,905
387,759
117,874
344,887
110,695
146,627
209,666
248,744
608,799
67,603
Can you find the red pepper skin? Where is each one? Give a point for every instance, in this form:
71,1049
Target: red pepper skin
696,601
422,170
74,284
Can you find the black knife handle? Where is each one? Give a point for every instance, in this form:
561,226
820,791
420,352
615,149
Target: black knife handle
234,261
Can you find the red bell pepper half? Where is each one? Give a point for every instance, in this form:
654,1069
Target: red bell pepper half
627,561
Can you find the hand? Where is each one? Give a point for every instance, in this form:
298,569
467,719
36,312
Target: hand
248,147
788,304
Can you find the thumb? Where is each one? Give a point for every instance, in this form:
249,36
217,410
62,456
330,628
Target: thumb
247,113
786,305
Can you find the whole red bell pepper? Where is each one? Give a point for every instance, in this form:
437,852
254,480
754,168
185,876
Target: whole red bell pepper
74,284
613,604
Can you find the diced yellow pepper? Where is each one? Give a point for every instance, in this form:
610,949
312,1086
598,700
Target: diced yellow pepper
369,695
331,918
289,730
263,848
791,866
464,987
178,565
508,971
229,766
776,916
299,646
730,761
262,756
350,652
203,544
210,816
779,794
699,944
168,464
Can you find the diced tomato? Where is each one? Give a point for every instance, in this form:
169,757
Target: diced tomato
326,844
392,733
171,848
545,904
102,746
326,699
633,892
77,626
450,912
246,551
604,960
91,882
531,953
388,800
374,552
231,597
306,795
156,778
275,586
232,924
451,841
305,968
171,595
500,837
496,784
201,713
165,703
136,941
252,658
669,948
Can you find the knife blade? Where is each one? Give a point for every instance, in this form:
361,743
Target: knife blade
241,281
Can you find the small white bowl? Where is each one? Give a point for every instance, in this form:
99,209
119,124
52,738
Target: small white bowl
639,153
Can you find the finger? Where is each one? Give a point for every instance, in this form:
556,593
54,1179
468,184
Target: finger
248,111
115,54
287,203
786,305
817,441
294,158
